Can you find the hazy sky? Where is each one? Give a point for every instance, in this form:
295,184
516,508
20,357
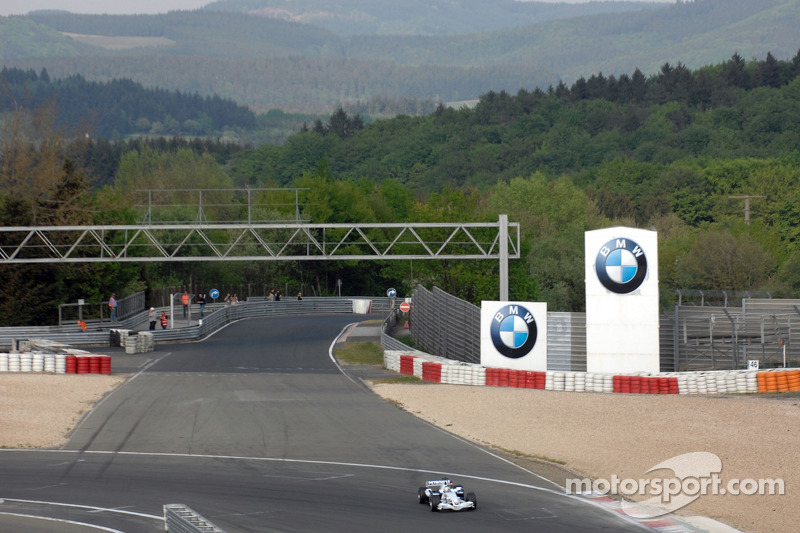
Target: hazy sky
119,7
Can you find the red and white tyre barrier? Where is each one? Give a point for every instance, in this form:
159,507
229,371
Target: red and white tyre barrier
58,363
434,369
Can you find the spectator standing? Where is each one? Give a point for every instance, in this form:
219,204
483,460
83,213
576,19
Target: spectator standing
164,320
151,317
112,305
201,299
278,296
299,295
185,302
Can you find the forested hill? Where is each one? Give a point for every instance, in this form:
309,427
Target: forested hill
731,110
118,108
267,62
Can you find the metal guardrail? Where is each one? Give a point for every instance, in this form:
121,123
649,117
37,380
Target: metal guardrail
387,341
217,316
96,334
181,519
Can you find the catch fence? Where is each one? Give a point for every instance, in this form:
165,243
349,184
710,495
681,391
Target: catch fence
690,338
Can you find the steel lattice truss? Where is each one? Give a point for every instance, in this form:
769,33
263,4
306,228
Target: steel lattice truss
257,242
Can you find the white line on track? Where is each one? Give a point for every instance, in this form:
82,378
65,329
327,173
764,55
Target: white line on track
89,508
61,521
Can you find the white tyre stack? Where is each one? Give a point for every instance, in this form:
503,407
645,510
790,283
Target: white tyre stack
569,381
752,381
61,363
580,382
608,383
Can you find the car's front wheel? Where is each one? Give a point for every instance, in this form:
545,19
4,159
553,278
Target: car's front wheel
434,501
472,498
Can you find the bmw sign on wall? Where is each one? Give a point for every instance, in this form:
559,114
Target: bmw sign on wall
621,265
513,335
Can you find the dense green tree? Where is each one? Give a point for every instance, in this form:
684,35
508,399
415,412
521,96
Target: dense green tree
719,260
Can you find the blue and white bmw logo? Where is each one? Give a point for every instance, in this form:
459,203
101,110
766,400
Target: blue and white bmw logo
621,266
513,331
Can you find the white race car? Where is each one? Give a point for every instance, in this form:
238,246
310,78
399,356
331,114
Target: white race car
444,495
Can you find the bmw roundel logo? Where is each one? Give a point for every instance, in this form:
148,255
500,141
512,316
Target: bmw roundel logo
621,266
513,331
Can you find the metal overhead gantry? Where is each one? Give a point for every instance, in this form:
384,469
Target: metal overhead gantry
262,242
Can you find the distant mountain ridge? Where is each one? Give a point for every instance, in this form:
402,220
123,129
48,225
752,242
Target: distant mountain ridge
266,62
420,17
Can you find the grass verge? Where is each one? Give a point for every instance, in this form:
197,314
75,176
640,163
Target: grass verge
360,353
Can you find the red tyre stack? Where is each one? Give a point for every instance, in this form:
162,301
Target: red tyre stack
431,372
502,377
105,364
94,364
530,379
71,364
83,365
407,365
673,386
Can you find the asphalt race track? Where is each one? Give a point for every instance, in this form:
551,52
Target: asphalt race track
259,430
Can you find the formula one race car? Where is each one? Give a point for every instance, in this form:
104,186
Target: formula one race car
443,494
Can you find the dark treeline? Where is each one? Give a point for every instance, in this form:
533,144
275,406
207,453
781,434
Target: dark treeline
734,109
119,108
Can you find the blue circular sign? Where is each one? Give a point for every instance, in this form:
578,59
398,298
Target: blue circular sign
514,331
214,293
391,293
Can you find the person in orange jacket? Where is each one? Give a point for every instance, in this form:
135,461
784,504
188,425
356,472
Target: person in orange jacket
164,320
185,302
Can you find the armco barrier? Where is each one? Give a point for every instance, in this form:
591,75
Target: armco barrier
435,369
181,519
217,316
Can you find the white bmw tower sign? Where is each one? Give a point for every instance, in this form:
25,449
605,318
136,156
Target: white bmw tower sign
514,335
622,300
